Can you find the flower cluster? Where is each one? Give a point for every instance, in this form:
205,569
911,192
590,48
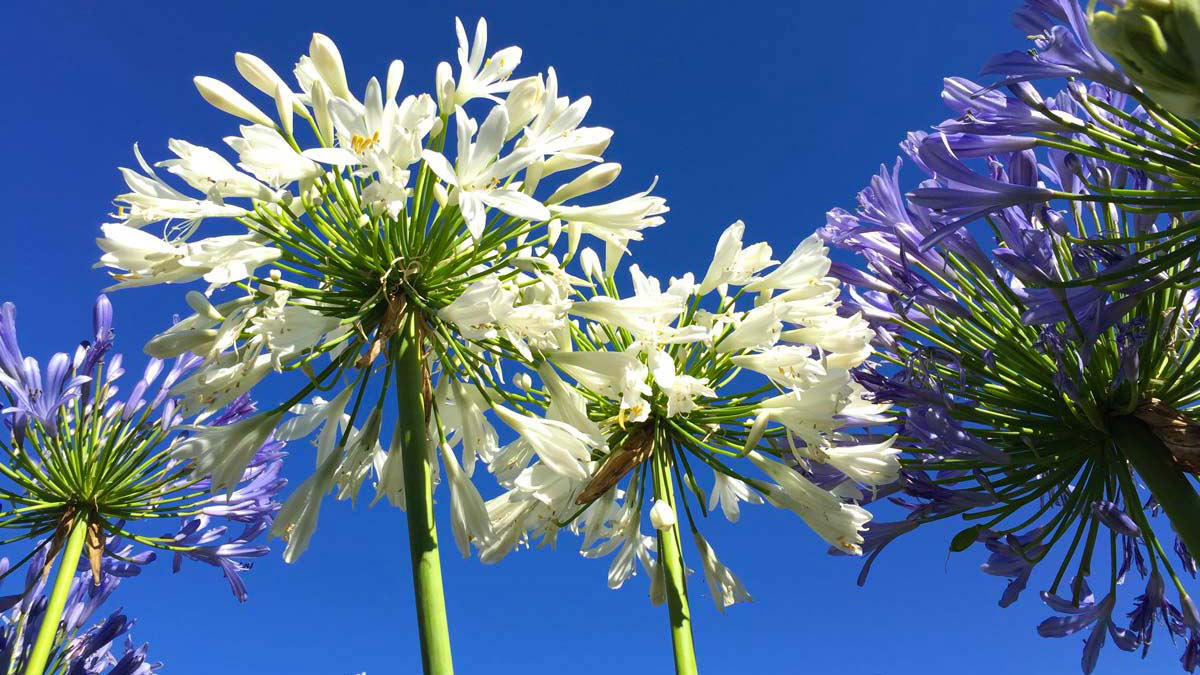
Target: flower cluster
746,373
79,648
366,237
1033,295
82,455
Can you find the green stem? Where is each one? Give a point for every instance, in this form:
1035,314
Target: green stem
418,498
1171,487
68,563
670,557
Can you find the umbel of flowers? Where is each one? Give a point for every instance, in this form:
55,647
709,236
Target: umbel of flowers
80,646
87,468
388,249
1035,296
744,377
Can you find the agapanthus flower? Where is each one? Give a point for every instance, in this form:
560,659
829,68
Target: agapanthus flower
1043,361
91,471
379,235
1100,142
82,644
742,381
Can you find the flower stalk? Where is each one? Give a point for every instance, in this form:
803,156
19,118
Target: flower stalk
68,563
670,558
1170,486
411,387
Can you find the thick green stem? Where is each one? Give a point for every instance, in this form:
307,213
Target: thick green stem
670,558
67,565
1171,487
418,498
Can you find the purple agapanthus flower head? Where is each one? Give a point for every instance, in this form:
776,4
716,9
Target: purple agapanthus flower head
1032,293
104,461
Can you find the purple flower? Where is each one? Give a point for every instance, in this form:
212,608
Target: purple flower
961,195
1151,607
1115,519
1013,557
1078,617
1062,50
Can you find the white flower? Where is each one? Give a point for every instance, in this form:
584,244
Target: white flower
724,587
152,200
288,330
478,175
807,264
211,173
727,492
222,379
662,516
554,130
480,78
466,417
224,451
320,413
617,222
785,365
732,264
759,328
617,376
846,339
568,406
838,523
265,154
563,448
479,308
149,260
297,518
872,464
468,516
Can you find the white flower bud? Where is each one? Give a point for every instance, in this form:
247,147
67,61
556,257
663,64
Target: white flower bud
285,102
596,178
523,381
662,516
320,104
553,230
202,306
328,62
223,97
756,431
395,76
590,262
444,84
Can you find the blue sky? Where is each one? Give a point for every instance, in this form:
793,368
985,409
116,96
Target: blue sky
768,113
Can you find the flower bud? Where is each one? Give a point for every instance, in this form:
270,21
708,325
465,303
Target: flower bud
223,97
202,306
553,230
590,262
523,381
662,516
444,85
596,178
1157,43
320,105
328,62
395,76
285,103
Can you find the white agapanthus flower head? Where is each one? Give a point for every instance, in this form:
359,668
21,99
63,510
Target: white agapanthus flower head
375,224
745,376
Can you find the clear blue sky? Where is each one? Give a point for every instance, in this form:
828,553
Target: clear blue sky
768,113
